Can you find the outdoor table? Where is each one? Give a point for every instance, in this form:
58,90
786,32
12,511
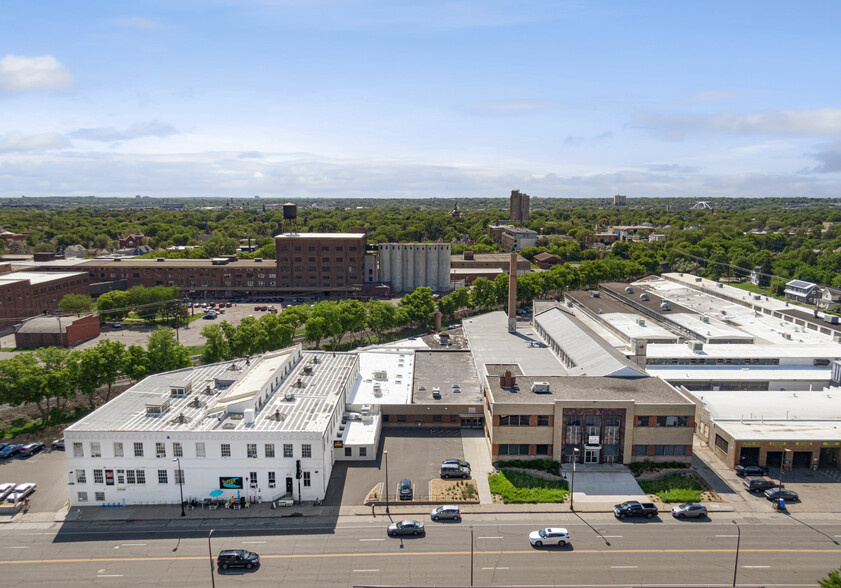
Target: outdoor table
213,506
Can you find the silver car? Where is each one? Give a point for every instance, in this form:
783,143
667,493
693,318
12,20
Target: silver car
447,511
689,510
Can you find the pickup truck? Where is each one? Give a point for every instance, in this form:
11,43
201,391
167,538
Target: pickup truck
632,508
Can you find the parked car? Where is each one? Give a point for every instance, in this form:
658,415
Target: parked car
758,483
446,512
117,324
405,492
6,489
58,444
451,470
549,536
210,316
458,462
633,508
407,527
689,510
751,470
31,448
227,305
237,558
777,493
257,307
9,450
20,492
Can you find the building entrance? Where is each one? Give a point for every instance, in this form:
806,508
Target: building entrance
472,422
750,456
591,454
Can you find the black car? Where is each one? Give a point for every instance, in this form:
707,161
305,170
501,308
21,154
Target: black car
31,448
777,493
405,492
237,558
751,470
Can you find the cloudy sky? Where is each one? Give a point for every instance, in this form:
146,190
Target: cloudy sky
379,98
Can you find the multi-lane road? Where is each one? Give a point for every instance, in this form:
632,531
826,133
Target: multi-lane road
774,551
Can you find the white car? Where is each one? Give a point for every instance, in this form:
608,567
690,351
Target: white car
6,489
549,536
20,492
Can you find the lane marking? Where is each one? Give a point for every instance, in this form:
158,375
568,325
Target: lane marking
624,567
17,547
612,536
489,537
379,539
365,571
496,568
109,575
133,544
756,566
248,542
733,536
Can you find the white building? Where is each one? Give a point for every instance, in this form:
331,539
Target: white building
235,429
407,266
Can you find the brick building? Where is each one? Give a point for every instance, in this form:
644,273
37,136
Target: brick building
29,293
57,331
320,262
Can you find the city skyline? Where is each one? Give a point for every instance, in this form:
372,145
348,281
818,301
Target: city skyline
449,99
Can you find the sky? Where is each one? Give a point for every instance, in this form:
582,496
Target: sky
454,99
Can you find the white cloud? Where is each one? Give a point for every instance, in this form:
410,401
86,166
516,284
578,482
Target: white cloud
137,22
20,74
154,128
509,107
17,142
825,121
829,156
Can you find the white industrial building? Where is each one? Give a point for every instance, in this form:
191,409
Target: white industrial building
407,266
234,429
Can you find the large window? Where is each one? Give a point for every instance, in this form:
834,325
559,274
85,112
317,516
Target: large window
287,450
271,480
138,450
163,477
80,477
96,450
78,450
177,450
118,449
513,449
251,450
721,443
179,477
640,450
226,450
269,449
160,449
669,450
672,421
200,449
643,421
543,420
514,420
306,450
98,477
541,449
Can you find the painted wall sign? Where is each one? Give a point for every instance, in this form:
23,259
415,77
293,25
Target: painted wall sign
231,483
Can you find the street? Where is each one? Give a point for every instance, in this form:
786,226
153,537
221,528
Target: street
355,550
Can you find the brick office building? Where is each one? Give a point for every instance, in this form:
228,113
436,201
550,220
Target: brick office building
26,294
320,262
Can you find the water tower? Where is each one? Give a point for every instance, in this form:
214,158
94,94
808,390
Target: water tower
290,217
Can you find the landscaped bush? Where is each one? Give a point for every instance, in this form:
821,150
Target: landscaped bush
675,488
546,465
517,487
647,465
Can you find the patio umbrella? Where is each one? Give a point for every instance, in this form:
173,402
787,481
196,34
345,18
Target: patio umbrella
216,493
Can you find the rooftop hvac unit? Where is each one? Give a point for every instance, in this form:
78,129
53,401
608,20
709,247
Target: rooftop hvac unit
366,409
380,375
289,396
248,416
697,279
836,338
696,346
705,319
540,387
641,322
378,390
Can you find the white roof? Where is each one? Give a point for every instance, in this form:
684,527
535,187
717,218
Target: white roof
789,350
362,433
324,235
770,404
814,430
712,330
737,373
39,277
627,324
398,367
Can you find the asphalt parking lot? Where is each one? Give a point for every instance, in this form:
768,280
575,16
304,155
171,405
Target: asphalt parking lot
415,454
48,470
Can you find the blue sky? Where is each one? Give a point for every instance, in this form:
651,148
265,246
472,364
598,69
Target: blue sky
344,98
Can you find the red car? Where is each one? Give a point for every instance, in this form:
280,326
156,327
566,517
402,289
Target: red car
257,307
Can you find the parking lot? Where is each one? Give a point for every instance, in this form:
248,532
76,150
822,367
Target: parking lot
415,454
48,470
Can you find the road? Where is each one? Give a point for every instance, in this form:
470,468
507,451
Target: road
775,551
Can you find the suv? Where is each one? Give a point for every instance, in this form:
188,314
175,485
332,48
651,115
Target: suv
446,512
452,470
758,483
237,558
405,491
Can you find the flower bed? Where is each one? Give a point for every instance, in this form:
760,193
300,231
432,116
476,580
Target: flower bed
517,487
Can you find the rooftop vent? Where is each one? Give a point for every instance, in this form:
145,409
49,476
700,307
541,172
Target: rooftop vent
705,319
641,322
720,285
228,426
289,397
307,370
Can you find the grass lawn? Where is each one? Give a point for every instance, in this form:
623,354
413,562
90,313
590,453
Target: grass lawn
675,488
517,487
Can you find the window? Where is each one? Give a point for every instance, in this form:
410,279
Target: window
306,450
640,450
130,477
177,450
200,450
514,420
118,449
269,449
98,477
363,452
348,451
271,480
160,449
437,418
141,476
251,450
541,449
287,450
672,421
543,420
96,450
513,449
99,496
307,481
226,450
82,496
138,450
643,421
163,478
721,443
179,477
669,450
78,451
80,477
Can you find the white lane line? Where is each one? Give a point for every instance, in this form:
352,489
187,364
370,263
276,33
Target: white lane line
756,566
363,571
134,544
495,568
109,575
489,537
380,539
612,536
245,542
17,547
727,536
624,567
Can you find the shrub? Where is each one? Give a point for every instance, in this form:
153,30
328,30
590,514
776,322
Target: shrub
647,465
675,488
517,487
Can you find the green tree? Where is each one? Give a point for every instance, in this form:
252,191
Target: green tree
216,347
57,383
164,353
381,317
113,305
296,316
278,334
112,361
22,382
832,580
482,293
315,329
418,305
137,365
85,373
77,304
351,319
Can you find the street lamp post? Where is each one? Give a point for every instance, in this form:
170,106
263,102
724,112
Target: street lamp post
385,457
210,554
180,474
738,542
471,554
575,452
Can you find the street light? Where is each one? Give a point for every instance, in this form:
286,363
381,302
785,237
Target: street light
575,452
738,542
471,554
180,474
210,554
385,457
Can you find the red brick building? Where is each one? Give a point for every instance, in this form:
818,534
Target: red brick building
57,331
320,262
545,261
26,294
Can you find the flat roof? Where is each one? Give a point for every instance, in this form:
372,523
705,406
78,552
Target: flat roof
361,432
814,430
736,373
323,235
645,390
793,406
629,325
309,409
39,277
269,264
712,330
445,369
755,351
385,377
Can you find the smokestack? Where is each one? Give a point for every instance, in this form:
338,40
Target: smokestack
512,294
